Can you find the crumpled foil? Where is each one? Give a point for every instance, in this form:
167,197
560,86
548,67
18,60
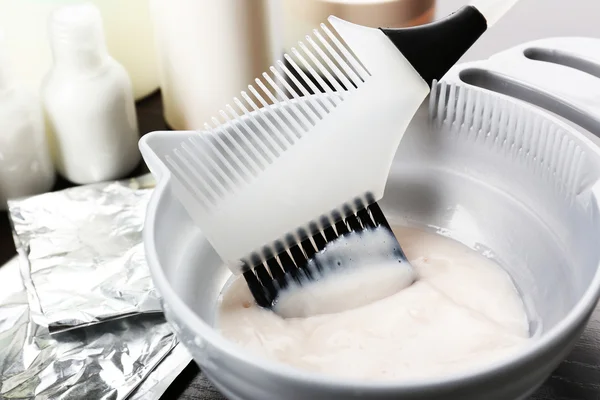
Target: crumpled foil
108,361
159,380
85,259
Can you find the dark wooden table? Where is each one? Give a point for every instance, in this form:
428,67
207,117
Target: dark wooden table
577,378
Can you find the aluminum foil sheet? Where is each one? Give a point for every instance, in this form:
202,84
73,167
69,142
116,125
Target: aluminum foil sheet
85,260
159,380
108,361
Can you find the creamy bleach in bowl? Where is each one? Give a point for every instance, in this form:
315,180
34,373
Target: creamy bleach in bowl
531,196
462,312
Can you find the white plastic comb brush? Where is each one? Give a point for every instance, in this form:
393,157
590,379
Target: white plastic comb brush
283,172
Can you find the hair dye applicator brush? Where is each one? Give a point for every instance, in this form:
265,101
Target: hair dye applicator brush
283,174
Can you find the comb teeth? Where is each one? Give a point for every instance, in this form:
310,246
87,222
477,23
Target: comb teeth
253,132
265,278
277,158
511,130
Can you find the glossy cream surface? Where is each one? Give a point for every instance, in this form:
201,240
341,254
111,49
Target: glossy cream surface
463,311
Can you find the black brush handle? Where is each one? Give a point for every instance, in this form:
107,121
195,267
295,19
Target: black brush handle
434,48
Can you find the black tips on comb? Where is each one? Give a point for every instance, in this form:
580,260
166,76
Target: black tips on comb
266,279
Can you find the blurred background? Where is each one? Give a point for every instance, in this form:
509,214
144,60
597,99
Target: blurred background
203,52
183,60
530,20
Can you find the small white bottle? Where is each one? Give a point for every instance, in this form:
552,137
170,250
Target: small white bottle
25,165
88,100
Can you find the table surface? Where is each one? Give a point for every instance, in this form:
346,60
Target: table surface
577,378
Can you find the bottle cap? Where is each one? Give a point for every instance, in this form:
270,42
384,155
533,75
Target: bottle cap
302,16
380,13
77,36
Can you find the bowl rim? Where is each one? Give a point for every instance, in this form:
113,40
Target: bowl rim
573,320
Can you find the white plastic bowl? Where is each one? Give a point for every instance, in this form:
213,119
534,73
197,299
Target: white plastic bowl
539,217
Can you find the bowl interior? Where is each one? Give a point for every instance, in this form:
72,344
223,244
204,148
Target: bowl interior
533,210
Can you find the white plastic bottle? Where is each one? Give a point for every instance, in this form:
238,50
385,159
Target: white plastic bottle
88,100
127,28
25,165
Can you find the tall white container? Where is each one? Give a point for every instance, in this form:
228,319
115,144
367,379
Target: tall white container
88,100
127,26
25,164
208,52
